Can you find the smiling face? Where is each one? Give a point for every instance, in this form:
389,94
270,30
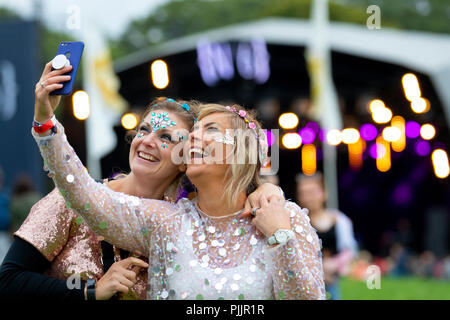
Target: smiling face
150,152
209,147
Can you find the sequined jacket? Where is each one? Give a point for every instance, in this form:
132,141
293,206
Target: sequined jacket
65,240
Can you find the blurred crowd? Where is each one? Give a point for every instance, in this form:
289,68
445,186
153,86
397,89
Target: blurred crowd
401,261
14,207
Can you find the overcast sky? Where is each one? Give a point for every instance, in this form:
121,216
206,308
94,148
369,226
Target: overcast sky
112,16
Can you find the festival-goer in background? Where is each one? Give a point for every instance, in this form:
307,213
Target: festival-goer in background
205,248
55,243
24,196
333,227
4,219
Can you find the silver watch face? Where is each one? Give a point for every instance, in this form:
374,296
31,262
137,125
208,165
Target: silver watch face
281,236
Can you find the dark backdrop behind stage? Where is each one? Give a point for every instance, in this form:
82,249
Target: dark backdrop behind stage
19,53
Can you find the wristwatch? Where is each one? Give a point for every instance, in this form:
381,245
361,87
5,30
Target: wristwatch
281,236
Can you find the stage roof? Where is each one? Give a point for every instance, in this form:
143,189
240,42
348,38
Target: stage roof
428,53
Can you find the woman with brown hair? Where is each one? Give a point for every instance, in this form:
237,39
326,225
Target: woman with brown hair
202,248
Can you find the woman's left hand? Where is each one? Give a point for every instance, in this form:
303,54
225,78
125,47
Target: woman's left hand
253,200
271,216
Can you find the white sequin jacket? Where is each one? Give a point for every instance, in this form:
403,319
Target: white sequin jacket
191,255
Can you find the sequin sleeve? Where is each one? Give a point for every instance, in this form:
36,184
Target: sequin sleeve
297,265
47,225
123,220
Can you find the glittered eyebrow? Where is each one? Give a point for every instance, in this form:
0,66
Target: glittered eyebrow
212,123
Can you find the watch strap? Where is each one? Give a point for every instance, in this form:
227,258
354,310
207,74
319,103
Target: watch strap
90,291
272,240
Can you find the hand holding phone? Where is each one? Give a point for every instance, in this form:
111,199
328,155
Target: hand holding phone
68,54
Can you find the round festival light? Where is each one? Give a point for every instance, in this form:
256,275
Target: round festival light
427,131
350,135
381,115
420,105
411,86
334,137
129,121
440,163
288,120
391,134
160,74
81,106
291,140
368,131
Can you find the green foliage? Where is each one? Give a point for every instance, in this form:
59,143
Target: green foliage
404,288
8,14
178,18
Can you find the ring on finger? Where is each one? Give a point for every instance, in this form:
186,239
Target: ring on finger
42,84
254,211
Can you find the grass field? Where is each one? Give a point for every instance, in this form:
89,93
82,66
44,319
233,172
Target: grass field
408,288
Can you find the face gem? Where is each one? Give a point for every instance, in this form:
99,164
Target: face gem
161,121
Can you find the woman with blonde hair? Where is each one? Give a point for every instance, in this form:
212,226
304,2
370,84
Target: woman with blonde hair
202,248
56,255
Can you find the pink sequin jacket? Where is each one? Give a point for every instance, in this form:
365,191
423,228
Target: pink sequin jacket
191,255
68,243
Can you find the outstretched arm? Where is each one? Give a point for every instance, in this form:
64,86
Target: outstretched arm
123,220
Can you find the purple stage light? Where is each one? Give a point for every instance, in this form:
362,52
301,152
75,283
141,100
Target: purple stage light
322,135
368,132
377,151
422,148
412,129
270,137
313,125
402,194
308,135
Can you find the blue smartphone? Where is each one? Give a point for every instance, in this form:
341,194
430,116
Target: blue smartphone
73,51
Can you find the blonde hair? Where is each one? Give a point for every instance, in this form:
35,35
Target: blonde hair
241,175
